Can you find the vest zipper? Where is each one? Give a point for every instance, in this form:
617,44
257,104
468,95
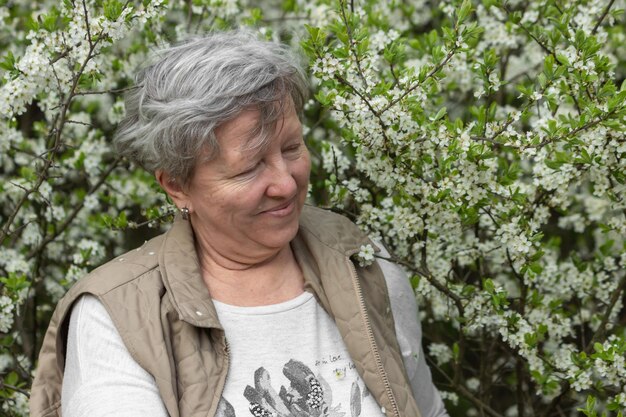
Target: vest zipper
226,350
370,335
226,357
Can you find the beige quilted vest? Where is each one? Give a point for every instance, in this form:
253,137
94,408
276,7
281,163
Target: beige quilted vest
156,298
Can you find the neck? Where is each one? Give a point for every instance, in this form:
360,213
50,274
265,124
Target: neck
269,280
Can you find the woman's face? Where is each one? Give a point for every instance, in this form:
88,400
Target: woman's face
247,202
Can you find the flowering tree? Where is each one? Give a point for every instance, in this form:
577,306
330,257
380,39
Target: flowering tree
482,142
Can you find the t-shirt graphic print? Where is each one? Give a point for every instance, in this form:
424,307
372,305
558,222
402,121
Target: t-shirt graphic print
288,360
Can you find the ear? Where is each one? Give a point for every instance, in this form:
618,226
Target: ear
174,189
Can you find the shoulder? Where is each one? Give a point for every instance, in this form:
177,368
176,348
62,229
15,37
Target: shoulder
332,230
101,377
128,283
401,292
90,330
126,279
122,270
405,313
123,295
317,220
403,302
92,334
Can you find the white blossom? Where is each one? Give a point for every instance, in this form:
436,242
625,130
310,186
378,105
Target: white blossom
6,313
365,255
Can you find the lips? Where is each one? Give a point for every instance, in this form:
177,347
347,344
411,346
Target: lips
283,209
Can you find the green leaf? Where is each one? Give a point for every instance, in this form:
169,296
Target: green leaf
113,9
541,78
536,267
415,280
585,157
489,3
464,11
439,115
324,99
289,5
548,65
256,15
15,282
9,62
563,59
122,221
12,379
50,21
591,405
31,24
605,248
555,165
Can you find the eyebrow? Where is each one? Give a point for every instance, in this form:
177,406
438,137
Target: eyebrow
251,152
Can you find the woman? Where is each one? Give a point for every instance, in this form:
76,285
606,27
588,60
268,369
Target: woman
250,303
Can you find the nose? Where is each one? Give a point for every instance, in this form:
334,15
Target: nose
282,183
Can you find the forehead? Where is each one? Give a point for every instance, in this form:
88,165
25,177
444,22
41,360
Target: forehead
239,130
255,129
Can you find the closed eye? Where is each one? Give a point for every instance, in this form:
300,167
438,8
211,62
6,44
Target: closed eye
292,148
249,171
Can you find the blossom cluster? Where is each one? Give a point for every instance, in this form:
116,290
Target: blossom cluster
489,155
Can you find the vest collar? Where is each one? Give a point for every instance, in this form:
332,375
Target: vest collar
321,235
181,275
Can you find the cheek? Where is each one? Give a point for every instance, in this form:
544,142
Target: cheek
303,169
219,202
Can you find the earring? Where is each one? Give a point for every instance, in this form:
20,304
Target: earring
185,213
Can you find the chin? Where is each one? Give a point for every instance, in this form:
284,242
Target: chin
282,237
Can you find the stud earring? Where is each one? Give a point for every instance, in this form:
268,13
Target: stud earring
185,213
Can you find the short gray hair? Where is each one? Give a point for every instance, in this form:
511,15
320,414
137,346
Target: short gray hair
193,87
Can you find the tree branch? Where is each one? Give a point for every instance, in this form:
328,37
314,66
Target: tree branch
56,132
68,220
615,295
432,72
467,394
602,16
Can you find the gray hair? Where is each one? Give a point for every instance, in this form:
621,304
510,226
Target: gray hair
192,88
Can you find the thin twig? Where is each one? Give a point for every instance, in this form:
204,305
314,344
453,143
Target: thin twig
111,91
586,126
14,388
432,72
283,18
189,14
432,280
615,296
369,106
602,16
467,394
352,44
89,39
156,219
62,55
77,122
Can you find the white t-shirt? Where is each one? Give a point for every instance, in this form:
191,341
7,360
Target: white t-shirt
102,379
289,359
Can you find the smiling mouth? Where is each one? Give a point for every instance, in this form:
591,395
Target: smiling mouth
282,210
